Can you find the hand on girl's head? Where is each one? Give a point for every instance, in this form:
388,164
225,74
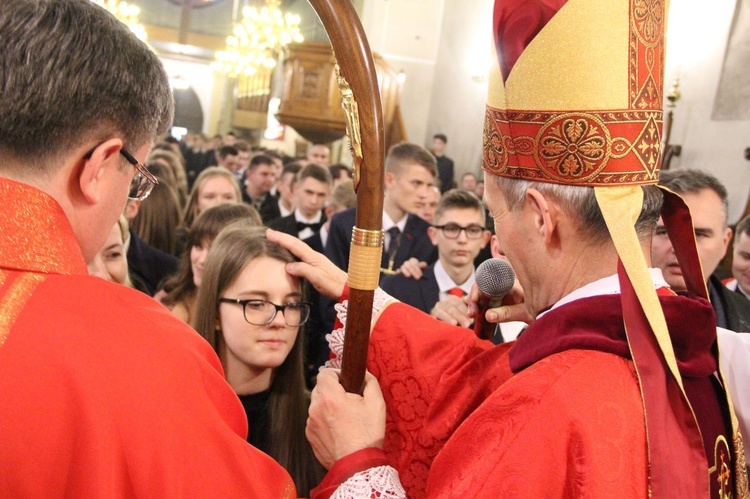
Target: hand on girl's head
326,277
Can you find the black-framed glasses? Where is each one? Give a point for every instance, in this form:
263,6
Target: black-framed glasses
263,312
451,231
143,182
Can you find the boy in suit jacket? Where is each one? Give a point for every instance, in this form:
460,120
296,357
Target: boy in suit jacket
410,173
311,191
257,184
459,234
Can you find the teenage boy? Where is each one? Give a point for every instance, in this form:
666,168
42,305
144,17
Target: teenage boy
459,234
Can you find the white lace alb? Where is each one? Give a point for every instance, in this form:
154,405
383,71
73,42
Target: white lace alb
381,482
336,338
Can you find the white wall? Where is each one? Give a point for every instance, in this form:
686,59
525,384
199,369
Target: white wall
460,91
697,38
406,33
207,85
443,47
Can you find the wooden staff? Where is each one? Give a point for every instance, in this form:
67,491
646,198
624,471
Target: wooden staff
360,96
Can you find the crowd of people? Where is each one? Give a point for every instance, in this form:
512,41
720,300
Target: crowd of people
190,372
224,278
167,240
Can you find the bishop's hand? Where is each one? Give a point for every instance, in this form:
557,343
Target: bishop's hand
341,423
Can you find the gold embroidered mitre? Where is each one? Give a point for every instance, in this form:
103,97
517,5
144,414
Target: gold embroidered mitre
575,98
575,94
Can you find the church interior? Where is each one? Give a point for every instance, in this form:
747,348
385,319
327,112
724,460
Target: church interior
433,62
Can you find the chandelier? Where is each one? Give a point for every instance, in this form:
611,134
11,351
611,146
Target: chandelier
258,40
125,13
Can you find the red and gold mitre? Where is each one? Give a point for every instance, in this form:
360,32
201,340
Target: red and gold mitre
575,96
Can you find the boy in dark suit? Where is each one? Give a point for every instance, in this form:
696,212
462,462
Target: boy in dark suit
256,187
459,234
410,173
311,191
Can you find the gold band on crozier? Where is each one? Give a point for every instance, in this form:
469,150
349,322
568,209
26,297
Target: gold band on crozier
364,259
364,237
364,267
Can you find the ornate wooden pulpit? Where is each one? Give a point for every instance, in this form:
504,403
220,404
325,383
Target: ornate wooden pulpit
311,101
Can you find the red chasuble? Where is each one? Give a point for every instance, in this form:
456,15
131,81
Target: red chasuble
433,376
568,423
103,393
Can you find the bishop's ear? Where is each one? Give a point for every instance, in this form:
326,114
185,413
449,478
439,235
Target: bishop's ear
542,212
495,248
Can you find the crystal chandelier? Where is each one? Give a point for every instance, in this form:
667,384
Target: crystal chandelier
258,40
126,13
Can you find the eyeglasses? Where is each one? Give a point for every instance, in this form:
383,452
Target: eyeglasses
451,231
263,312
143,182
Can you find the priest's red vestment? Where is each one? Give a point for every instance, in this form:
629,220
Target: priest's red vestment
103,393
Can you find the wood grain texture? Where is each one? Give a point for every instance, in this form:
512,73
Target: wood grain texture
356,64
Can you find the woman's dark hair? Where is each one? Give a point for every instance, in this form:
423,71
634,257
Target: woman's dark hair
206,227
237,245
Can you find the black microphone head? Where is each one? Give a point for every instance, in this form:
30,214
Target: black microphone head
495,277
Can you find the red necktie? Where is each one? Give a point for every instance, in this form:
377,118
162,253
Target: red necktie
456,292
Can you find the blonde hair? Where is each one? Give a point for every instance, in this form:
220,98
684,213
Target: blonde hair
191,207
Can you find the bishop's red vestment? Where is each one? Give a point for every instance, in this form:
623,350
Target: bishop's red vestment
556,414
103,393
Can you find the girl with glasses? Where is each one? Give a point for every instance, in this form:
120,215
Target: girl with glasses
251,311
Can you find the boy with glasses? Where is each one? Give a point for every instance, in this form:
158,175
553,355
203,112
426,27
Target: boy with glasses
459,234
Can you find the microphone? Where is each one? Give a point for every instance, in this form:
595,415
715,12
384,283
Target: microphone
495,279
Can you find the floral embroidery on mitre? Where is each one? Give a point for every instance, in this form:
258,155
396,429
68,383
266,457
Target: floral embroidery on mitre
648,17
573,146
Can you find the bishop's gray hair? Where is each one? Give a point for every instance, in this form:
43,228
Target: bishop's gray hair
581,202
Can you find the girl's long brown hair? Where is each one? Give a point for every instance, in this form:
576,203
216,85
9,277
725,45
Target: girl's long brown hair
236,246
180,287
